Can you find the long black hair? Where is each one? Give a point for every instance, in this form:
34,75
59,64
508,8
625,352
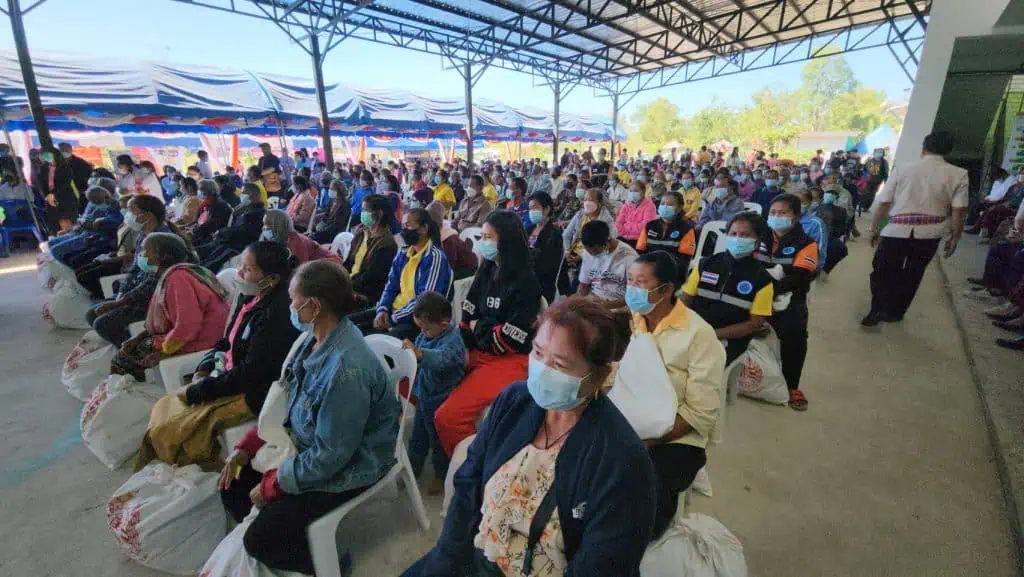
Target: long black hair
513,250
433,230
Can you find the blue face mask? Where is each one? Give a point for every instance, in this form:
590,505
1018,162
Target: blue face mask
828,197
633,196
794,178
638,299
267,234
721,192
666,212
536,216
143,263
298,324
780,224
552,389
687,183
769,182
488,249
828,170
739,246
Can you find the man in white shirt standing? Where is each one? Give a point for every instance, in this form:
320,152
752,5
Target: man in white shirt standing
918,199
204,164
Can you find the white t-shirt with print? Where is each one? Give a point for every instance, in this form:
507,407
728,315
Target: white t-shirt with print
606,274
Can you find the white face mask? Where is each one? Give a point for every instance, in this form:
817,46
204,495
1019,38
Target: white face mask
589,207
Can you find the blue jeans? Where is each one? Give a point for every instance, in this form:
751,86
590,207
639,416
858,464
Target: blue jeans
424,438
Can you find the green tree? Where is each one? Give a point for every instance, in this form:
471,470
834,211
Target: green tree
863,110
770,122
657,123
822,81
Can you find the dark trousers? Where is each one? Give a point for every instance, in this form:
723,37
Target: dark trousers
791,327
89,275
424,439
277,536
675,466
898,268
113,325
1003,266
364,320
836,252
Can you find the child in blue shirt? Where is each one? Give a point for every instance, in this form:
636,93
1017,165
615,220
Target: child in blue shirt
441,357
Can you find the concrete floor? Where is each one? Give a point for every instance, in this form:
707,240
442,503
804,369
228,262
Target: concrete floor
890,472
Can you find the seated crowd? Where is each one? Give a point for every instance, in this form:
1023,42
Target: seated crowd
567,266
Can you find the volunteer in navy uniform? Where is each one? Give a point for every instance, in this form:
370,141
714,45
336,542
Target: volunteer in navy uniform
670,232
731,290
798,255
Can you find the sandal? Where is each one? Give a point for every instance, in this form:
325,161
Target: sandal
797,400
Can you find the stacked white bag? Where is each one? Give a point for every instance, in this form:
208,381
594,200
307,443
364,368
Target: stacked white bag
760,376
115,417
230,559
86,365
68,305
51,271
695,546
168,518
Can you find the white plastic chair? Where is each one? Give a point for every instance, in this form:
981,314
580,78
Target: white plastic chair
752,207
174,369
342,244
473,233
322,532
107,284
462,287
713,231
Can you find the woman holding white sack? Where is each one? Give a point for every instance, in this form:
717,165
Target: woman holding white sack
693,360
340,412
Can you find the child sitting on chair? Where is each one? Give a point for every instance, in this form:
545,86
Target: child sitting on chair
441,357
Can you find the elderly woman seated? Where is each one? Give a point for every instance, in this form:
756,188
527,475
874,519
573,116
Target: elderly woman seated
340,414
232,380
95,233
277,227
186,313
535,496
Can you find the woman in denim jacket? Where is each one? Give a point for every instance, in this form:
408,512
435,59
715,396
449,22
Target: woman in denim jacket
342,417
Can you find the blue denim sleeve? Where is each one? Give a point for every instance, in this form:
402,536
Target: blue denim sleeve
340,421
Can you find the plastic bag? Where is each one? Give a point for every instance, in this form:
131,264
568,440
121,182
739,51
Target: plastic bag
278,444
695,546
230,559
86,365
52,271
458,458
115,417
760,376
642,390
702,482
168,518
67,307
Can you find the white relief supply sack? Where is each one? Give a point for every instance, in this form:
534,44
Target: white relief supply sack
278,444
230,558
86,365
44,272
642,390
168,518
760,377
695,546
115,417
458,458
67,307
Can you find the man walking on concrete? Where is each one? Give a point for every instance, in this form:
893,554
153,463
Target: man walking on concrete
917,199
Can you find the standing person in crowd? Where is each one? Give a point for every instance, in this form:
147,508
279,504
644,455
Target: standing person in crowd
231,381
373,249
606,262
421,267
917,199
302,204
545,241
552,423
461,257
343,418
670,232
726,203
593,208
498,317
691,197
475,207
635,214
79,167
441,365
694,362
877,168
731,290
277,227
187,312
797,253
204,164
58,188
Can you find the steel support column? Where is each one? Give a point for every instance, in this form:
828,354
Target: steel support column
35,103
467,75
615,124
321,99
557,89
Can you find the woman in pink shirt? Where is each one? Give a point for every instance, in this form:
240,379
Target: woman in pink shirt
635,214
302,205
277,227
187,312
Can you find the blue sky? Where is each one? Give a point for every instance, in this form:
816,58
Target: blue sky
175,32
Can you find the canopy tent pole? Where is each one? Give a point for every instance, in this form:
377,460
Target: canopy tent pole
35,104
321,99
615,123
467,75
556,87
